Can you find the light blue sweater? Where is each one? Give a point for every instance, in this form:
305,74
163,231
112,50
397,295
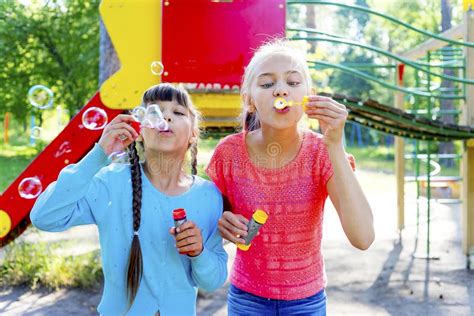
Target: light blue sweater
90,193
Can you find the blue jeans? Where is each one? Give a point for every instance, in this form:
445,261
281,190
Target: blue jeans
241,303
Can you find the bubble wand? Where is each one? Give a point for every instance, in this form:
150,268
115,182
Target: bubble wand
281,103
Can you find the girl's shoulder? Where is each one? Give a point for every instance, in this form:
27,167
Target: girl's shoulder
312,136
314,146
202,184
232,140
206,190
313,140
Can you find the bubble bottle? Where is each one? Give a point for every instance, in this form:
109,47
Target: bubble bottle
179,217
259,218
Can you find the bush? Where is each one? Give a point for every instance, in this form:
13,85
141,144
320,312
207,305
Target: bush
35,264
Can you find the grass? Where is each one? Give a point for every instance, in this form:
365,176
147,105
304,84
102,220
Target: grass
13,160
208,142
373,158
35,264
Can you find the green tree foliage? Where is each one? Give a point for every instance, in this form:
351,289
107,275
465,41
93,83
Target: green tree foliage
343,82
53,43
354,22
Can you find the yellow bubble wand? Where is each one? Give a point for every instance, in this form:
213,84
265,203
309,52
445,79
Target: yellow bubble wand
281,103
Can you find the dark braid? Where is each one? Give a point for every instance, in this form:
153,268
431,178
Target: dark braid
135,262
194,151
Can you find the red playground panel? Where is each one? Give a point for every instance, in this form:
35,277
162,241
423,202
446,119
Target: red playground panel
203,41
68,147
210,41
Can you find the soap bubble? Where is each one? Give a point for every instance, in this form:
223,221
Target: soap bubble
94,118
154,118
30,188
139,113
118,160
36,132
157,68
40,97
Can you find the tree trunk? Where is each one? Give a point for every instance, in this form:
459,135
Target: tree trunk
311,23
109,62
446,147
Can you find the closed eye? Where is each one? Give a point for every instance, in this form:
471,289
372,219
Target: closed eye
178,113
266,85
293,83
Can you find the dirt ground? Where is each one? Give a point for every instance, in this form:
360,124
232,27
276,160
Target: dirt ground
393,277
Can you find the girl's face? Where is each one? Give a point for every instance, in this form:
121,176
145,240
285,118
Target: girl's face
279,76
179,133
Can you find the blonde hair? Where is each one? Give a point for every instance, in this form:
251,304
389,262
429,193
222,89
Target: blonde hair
250,120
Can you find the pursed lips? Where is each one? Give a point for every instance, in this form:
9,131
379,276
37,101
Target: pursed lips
166,132
286,109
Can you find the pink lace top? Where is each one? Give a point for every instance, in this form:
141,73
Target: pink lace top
285,259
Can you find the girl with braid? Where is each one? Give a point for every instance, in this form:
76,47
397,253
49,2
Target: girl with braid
144,270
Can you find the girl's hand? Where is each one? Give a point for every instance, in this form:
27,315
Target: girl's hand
331,115
188,239
232,227
118,134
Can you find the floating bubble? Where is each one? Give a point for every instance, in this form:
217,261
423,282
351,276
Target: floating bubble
119,157
154,110
162,126
139,113
40,97
157,68
118,160
36,132
147,124
94,118
30,188
154,118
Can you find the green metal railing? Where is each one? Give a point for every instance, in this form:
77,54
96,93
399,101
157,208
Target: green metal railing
360,74
385,16
330,37
385,53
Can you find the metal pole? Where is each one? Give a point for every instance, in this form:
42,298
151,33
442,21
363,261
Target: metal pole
467,168
400,157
